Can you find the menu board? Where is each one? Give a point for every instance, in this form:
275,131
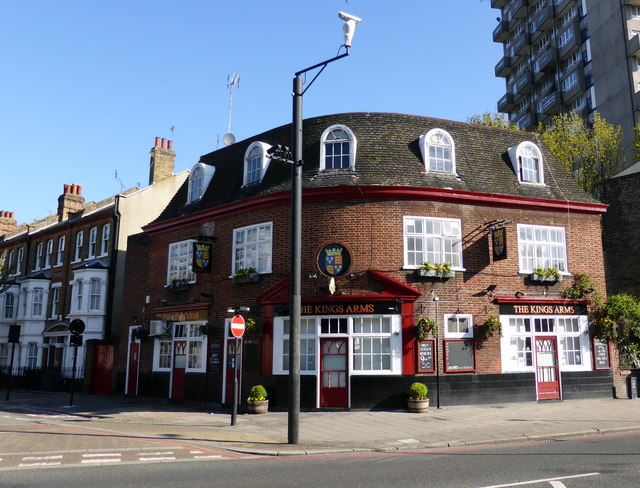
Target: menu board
460,355
425,356
215,357
251,359
601,354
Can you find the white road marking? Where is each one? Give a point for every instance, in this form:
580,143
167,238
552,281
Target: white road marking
546,480
557,484
208,457
33,465
41,458
167,458
102,454
101,460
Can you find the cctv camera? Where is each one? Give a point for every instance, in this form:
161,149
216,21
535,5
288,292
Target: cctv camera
346,17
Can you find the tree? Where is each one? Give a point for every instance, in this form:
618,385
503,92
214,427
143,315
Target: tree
492,120
592,153
619,322
5,273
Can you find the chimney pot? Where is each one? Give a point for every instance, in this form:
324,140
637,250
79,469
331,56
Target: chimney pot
157,142
169,145
164,143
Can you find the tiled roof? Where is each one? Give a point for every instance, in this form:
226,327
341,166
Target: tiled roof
388,153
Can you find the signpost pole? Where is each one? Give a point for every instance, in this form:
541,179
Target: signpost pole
234,410
73,373
14,338
10,375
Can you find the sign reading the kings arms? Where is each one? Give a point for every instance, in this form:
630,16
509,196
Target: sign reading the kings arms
543,309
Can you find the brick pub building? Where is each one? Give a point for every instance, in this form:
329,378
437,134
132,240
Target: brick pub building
383,195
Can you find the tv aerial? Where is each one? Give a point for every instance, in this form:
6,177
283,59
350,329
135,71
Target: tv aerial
233,81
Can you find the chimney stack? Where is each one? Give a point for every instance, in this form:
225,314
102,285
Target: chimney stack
7,223
162,162
71,201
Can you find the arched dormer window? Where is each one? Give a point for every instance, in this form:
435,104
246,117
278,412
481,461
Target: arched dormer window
438,151
255,162
338,148
199,180
526,159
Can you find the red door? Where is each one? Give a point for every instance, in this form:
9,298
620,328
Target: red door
547,375
102,370
334,388
179,369
134,361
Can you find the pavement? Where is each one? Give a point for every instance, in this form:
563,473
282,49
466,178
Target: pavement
123,421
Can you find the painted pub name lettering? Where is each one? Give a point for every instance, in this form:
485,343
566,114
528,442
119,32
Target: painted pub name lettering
337,309
545,309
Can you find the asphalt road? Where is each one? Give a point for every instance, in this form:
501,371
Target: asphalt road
602,461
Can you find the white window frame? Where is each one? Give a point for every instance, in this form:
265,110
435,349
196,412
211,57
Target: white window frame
48,254
536,251
55,301
422,239
433,140
199,179
159,353
353,145
106,235
10,260
252,248
458,334
180,262
37,304
78,292
78,246
62,241
525,150
256,162
93,242
19,260
31,361
38,261
95,295
308,345
9,309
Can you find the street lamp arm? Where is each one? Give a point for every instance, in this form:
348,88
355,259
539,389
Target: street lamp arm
322,65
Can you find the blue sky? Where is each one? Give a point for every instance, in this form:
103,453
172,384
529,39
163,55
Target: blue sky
87,86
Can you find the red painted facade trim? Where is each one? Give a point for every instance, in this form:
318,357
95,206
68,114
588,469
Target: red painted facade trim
458,197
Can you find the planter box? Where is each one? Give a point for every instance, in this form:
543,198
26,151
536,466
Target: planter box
179,287
257,407
418,406
250,278
434,273
546,279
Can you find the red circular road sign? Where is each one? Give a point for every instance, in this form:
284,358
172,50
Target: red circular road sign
237,325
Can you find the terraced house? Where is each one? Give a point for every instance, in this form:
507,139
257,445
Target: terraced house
420,237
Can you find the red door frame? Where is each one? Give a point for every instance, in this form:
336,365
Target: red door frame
334,396
179,369
547,373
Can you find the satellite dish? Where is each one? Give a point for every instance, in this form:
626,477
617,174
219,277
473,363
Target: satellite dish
229,139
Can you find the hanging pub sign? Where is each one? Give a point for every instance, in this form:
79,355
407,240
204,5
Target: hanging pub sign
334,260
202,257
499,243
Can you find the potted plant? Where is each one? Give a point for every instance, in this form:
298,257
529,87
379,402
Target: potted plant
257,401
417,401
436,270
246,275
179,284
546,274
426,327
490,327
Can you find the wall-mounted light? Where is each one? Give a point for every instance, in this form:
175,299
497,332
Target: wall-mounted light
519,294
238,309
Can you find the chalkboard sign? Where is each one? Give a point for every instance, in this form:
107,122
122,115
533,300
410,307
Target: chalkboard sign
215,357
251,359
601,354
425,356
459,355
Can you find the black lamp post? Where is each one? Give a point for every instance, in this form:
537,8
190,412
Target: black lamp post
282,154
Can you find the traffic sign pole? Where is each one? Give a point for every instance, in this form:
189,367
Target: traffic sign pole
237,329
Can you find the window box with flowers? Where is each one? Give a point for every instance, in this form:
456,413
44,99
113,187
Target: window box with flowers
179,285
246,275
436,270
546,275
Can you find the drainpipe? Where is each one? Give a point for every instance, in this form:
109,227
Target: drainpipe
112,269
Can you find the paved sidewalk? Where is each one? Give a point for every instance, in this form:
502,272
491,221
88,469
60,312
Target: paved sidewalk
332,432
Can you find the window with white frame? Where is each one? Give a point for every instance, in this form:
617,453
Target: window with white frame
39,252
433,240
49,254
337,148
372,343
196,344
526,159
438,151
255,162
32,355
4,356
38,298
106,234
55,301
79,291
62,240
164,348
23,301
180,266
11,261
308,335
458,326
93,240
565,37
634,12
9,305
78,248
541,247
199,179
19,261
252,248
95,297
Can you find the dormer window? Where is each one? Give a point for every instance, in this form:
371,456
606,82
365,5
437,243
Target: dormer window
338,148
526,159
199,180
438,151
255,162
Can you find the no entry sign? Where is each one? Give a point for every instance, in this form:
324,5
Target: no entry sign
237,325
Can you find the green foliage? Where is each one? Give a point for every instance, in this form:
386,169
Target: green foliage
492,120
636,143
619,322
426,327
547,272
581,287
245,272
441,269
5,273
592,153
257,393
490,327
418,391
